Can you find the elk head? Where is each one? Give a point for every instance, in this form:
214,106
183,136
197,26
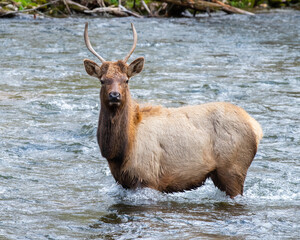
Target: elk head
114,76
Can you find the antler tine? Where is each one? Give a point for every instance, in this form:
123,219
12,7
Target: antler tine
134,43
88,44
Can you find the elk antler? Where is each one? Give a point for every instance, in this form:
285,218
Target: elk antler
88,44
134,43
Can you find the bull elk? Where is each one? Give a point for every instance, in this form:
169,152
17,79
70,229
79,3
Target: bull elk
169,149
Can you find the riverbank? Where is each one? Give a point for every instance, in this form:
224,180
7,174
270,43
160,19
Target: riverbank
137,8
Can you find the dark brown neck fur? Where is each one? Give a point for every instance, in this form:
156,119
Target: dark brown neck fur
116,132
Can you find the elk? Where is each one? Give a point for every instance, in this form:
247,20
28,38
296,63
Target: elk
169,149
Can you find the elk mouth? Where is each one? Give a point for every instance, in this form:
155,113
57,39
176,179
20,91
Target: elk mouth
114,103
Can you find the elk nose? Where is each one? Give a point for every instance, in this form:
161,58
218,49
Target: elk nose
114,96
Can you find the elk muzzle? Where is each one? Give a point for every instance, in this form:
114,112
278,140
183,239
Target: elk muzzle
114,98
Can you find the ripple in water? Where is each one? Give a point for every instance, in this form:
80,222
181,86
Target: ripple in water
55,185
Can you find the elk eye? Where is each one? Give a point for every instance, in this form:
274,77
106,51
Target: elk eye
127,81
101,81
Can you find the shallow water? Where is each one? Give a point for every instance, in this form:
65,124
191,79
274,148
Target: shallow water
54,184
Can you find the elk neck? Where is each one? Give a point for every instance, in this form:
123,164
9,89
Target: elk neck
116,130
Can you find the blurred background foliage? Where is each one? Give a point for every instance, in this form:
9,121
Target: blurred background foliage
160,8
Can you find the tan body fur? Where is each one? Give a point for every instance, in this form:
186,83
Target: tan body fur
176,149
170,149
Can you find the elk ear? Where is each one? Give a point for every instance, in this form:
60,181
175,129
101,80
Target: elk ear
135,67
92,68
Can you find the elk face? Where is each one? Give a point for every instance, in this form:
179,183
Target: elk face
114,76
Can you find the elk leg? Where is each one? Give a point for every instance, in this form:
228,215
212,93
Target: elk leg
229,181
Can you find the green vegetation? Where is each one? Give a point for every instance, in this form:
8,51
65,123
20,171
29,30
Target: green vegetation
22,4
59,8
243,3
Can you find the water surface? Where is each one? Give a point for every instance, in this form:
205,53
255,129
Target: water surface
54,184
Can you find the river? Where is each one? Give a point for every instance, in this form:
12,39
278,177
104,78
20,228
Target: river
54,184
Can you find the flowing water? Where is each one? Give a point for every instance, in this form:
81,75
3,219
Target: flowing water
54,184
